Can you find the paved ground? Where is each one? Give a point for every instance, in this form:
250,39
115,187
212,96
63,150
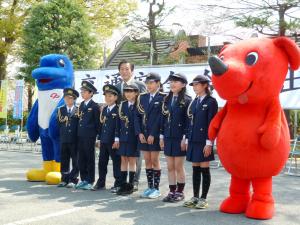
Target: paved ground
22,202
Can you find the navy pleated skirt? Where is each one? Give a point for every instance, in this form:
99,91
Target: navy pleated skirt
195,153
128,149
172,147
149,148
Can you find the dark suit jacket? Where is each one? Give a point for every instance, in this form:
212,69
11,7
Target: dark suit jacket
68,130
141,86
89,121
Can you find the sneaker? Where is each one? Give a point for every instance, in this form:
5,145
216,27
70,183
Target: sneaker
87,186
191,203
70,185
179,196
62,184
80,184
114,189
146,193
154,194
202,204
170,197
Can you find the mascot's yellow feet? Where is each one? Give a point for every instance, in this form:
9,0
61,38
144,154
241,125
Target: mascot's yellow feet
36,175
39,174
50,173
54,177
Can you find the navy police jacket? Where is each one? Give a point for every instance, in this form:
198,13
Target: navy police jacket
108,122
148,116
67,123
125,123
88,124
175,122
200,116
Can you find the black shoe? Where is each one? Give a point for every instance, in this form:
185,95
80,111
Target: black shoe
98,187
135,186
125,189
122,189
114,189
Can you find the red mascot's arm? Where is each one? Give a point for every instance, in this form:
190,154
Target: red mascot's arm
216,122
270,130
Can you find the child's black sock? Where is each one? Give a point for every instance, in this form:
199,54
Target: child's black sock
149,174
123,177
131,177
206,181
157,174
180,187
196,180
172,188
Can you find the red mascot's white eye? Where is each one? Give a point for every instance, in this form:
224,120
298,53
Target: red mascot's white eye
252,58
222,57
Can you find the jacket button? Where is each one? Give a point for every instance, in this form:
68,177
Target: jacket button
201,129
69,130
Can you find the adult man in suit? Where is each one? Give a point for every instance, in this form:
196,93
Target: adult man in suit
126,72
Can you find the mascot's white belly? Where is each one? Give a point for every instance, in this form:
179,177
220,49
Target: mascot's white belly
48,101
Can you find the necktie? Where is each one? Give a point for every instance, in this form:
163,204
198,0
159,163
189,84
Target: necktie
131,107
151,98
69,112
108,110
198,102
174,101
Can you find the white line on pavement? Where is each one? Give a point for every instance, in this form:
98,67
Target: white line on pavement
64,212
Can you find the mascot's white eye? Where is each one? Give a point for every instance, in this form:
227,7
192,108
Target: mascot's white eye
251,58
222,57
61,63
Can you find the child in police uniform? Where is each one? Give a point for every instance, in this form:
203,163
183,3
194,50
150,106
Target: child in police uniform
88,128
108,118
174,128
67,122
199,151
126,138
147,127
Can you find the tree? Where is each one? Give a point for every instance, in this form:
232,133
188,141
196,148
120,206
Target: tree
12,15
108,15
56,26
268,17
157,13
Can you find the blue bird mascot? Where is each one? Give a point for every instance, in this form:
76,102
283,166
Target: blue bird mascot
54,74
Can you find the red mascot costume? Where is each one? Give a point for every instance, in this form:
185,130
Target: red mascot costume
251,130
